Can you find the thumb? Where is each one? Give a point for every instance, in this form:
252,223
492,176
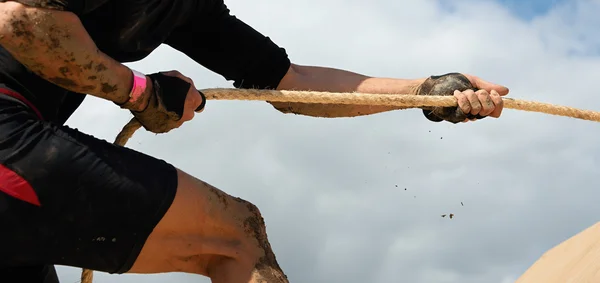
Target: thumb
488,86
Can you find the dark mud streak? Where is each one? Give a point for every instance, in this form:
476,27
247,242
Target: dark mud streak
63,82
100,68
88,66
107,88
220,195
20,30
267,265
88,87
64,70
52,44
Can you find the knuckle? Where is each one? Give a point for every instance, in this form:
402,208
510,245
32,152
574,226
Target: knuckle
464,104
498,100
472,96
482,92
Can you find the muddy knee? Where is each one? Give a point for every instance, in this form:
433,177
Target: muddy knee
266,268
234,226
252,258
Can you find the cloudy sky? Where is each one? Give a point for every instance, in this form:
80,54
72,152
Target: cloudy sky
360,200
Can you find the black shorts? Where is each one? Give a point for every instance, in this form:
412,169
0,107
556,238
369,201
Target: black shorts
67,198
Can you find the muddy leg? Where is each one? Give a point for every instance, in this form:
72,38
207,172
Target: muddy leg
209,232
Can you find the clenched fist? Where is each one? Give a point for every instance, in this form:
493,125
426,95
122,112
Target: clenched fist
477,98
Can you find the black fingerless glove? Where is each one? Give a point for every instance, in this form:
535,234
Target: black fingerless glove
445,85
166,103
177,92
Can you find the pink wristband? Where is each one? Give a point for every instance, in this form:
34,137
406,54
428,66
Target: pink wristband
139,86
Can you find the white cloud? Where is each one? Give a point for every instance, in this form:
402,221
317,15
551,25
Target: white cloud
327,188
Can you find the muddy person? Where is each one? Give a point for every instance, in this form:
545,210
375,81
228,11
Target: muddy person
67,198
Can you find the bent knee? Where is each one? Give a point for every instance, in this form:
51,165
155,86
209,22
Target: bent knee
202,210
205,223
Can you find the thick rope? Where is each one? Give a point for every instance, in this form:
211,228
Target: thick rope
398,100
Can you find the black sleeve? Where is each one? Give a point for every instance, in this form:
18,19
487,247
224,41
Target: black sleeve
225,45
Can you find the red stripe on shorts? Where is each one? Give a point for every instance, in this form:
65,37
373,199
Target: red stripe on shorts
14,185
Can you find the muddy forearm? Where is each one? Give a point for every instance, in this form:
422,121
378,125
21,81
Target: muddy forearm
55,45
336,80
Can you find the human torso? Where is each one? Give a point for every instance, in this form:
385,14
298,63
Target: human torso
126,30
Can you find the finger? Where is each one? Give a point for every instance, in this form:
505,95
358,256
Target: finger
499,104
482,84
179,123
487,105
463,102
187,116
474,101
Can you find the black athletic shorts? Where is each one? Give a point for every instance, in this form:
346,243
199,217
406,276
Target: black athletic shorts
67,198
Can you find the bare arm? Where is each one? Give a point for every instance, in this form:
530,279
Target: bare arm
55,45
336,80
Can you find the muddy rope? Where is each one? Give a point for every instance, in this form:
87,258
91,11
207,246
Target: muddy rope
402,100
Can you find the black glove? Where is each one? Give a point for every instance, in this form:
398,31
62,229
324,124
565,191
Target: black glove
165,105
446,85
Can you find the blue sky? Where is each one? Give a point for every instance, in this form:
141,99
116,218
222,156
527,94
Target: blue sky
527,9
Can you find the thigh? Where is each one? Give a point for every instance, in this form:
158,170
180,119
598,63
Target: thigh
71,199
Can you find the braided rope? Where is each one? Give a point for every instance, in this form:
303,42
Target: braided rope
401,100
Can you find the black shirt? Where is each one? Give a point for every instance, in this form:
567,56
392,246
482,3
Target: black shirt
129,30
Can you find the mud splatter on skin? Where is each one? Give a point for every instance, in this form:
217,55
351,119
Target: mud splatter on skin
88,66
54,43
20,30
107,88
220,196
100,68
63,82
88,87
64,70
266,270
255,227
41,41
267,265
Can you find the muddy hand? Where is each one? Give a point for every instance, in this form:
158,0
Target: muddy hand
476,98
173,101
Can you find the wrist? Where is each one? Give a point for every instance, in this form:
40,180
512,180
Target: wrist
406,86
144,99
139,92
